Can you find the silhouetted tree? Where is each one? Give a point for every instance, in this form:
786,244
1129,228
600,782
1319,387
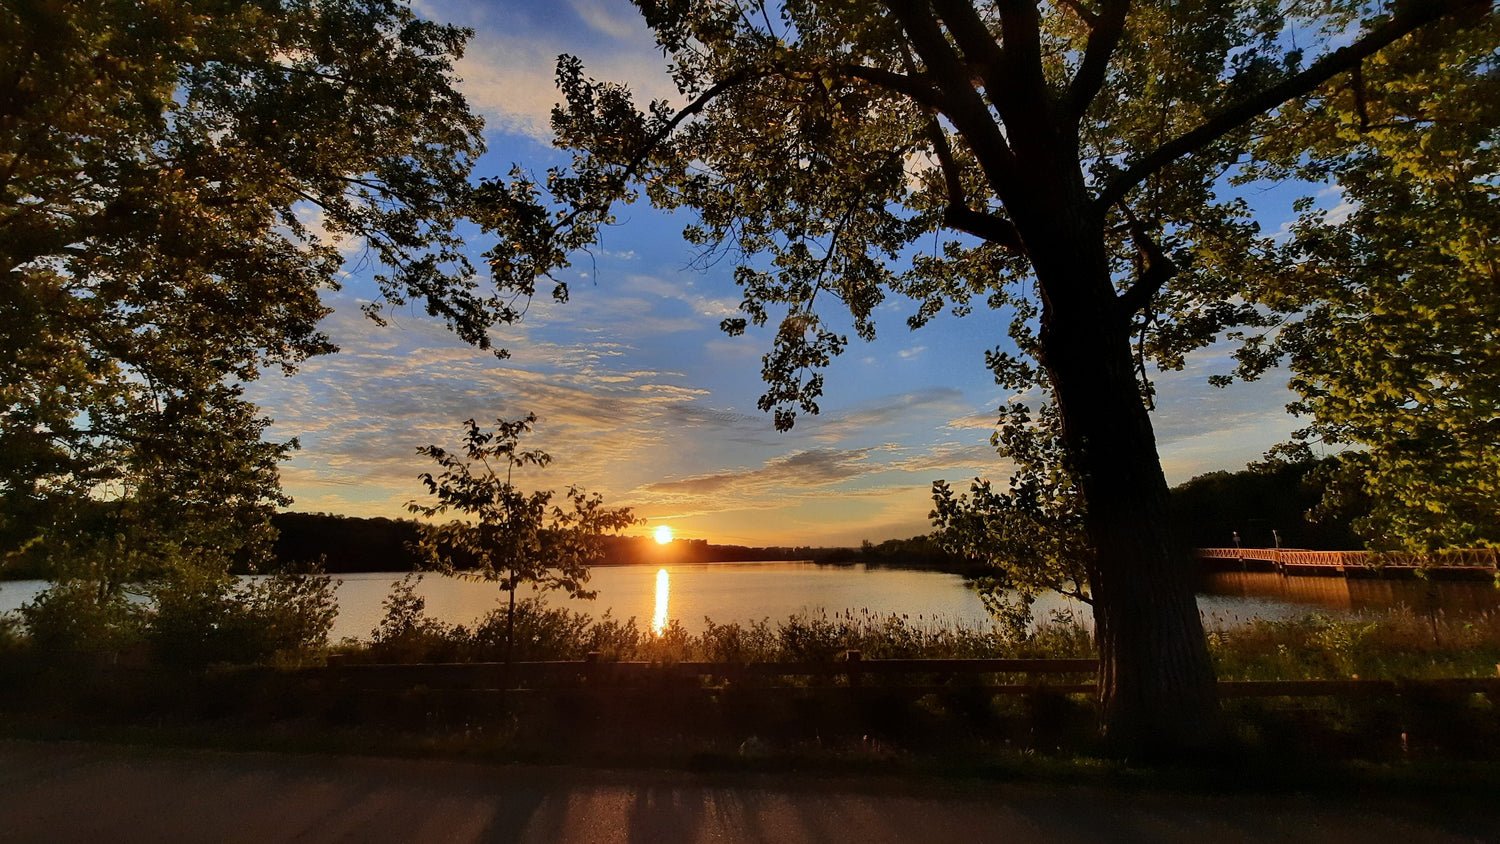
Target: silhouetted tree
513,537
174,181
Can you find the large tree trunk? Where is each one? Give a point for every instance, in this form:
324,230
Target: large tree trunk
1157,685
1156,682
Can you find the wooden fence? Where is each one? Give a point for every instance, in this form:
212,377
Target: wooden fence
919,676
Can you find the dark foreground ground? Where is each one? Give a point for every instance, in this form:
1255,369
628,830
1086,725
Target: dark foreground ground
58,792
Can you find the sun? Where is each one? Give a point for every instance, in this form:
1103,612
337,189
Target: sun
663,534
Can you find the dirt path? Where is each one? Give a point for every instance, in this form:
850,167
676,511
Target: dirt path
75,792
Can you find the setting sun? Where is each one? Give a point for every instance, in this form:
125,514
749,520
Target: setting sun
664,534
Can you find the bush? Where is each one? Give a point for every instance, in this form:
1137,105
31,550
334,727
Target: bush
75,618
200,620
10,634
541,633
406,633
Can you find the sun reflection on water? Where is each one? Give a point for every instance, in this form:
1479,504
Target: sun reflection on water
663,588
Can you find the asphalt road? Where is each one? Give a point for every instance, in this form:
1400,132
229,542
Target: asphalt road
92,793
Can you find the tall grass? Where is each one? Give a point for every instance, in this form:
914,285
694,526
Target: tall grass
1395,645
1399,644
407,634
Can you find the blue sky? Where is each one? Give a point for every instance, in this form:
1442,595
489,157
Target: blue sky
639,394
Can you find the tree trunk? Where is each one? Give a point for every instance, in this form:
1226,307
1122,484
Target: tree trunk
510,626
1156,681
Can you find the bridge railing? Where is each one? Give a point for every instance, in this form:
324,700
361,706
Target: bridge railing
1459,558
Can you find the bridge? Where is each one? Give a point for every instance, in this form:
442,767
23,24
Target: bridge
1295,559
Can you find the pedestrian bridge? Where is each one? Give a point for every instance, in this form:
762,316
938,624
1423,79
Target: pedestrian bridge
1470,559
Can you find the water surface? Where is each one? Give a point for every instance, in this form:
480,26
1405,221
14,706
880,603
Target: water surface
744,592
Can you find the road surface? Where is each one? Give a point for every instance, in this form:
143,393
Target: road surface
96,793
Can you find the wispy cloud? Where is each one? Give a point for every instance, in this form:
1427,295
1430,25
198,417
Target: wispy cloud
508,72
804,469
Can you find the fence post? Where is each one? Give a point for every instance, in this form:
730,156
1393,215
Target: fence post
852,658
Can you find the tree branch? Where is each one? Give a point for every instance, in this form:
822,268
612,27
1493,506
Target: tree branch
1409,17
1085,14
629,170
964,106
1104,35
958,214
1156,268
972,36
922,93
1024,98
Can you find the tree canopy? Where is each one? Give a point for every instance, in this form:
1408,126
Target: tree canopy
1066,164
176,182
1392,306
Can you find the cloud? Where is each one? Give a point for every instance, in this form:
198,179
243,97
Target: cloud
815,468
888,411
683,290
362,414
957,459
617,20
974,421
508,71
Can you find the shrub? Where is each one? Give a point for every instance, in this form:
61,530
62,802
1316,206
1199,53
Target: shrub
199,620
541,633
76,618
406,633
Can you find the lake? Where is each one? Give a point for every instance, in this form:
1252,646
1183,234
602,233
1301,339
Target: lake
744,592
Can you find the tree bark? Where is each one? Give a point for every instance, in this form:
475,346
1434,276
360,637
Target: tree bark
1156,682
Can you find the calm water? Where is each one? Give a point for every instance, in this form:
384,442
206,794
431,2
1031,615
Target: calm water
744,592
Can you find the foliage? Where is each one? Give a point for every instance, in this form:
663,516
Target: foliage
347,543
407,634
1030,538
188,620
1265,501
1397,645
72,618
837,138
178,176
513,538
199,620
1391,340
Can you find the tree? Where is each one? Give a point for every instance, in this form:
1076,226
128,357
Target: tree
1075,151
512,538
1030,538
174,181
1392,305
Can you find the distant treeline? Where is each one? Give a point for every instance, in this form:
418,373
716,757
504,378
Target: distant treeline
348,544
1208,511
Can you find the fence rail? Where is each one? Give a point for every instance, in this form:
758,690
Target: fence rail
1474,559
1062,676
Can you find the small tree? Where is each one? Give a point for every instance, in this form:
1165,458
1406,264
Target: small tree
510,536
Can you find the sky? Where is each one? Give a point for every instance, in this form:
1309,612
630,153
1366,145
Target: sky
640,396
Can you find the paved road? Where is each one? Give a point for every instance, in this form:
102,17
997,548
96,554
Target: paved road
69,792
